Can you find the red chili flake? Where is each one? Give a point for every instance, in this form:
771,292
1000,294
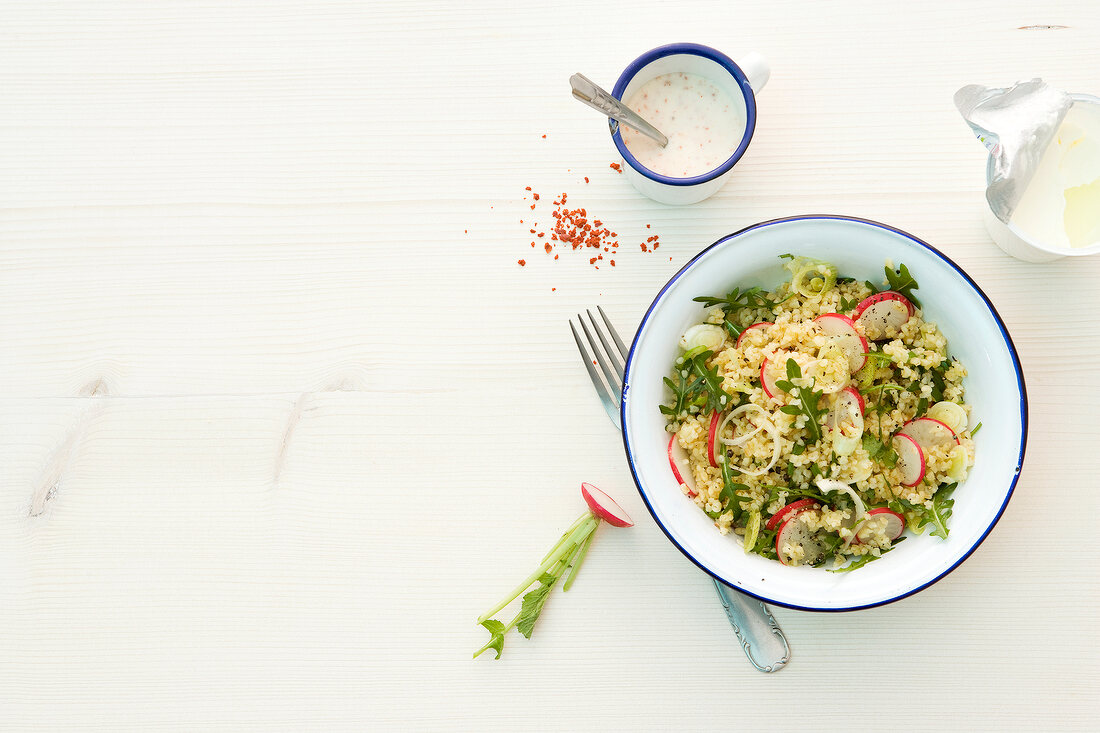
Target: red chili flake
647,226
644,248
612,263
532,231
536,196
592,261
552,289
544,137
617,167
522,262
548,247
465,231
527,189
532,207
556,257
586,179
542,234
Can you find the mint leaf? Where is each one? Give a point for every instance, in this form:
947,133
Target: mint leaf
496,640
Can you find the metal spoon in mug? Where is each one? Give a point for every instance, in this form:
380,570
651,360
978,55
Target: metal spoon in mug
591,94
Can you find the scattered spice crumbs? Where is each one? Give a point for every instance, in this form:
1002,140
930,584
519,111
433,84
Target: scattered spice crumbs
522,262
573,227
617,167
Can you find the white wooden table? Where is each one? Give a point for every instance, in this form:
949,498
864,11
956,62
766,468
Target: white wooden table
281,415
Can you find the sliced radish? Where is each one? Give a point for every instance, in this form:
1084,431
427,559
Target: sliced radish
910,459
929,433
950,414
883,314
712,438
604,507
762,324
842,330
793,533
786,512
681,467
895,523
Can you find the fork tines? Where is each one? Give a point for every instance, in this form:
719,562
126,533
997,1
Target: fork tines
610,360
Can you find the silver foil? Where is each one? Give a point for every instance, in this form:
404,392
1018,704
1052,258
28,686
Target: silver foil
1016,124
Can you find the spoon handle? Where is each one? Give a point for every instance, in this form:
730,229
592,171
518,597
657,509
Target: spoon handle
756,629
588,92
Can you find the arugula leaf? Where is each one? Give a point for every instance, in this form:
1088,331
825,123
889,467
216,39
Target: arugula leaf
738,300
871,286
717,398
942,504
809,400
684,391
938,382
902,282
731,500
496,640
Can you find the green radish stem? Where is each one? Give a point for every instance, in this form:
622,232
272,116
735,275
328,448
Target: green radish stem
587,525
565,534
576,560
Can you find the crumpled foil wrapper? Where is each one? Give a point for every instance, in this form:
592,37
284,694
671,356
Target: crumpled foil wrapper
1016,124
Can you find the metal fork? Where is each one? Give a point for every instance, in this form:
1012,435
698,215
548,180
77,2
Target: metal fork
755,627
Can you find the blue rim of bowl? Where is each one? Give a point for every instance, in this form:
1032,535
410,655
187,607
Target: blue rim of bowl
693,49
834,217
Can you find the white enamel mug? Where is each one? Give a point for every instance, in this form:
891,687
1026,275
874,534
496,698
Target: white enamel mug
741,80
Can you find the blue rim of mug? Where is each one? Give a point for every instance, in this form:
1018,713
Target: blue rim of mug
692,49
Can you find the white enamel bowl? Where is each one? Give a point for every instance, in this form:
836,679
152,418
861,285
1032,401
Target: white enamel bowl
976,336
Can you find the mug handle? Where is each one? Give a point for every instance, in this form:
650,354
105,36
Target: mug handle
756,70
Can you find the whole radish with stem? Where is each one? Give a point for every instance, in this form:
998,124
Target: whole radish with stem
564,559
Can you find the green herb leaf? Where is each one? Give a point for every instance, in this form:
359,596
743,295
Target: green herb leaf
975,430
845,304
902,282
497,630
879,451
717,398
942,505
533,602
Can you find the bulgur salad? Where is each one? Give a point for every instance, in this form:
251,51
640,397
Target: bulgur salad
819,420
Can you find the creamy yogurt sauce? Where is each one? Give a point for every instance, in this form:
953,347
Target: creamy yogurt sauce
1061,204
703,123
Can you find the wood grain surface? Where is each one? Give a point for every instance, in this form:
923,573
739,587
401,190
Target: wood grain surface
281,414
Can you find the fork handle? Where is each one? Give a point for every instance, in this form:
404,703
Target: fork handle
756,629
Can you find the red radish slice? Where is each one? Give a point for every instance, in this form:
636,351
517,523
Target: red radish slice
681,467
910,459
762,324
895,523
604,507
712,438
794,533
796,507
929,433
883,314
842,330
770,372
